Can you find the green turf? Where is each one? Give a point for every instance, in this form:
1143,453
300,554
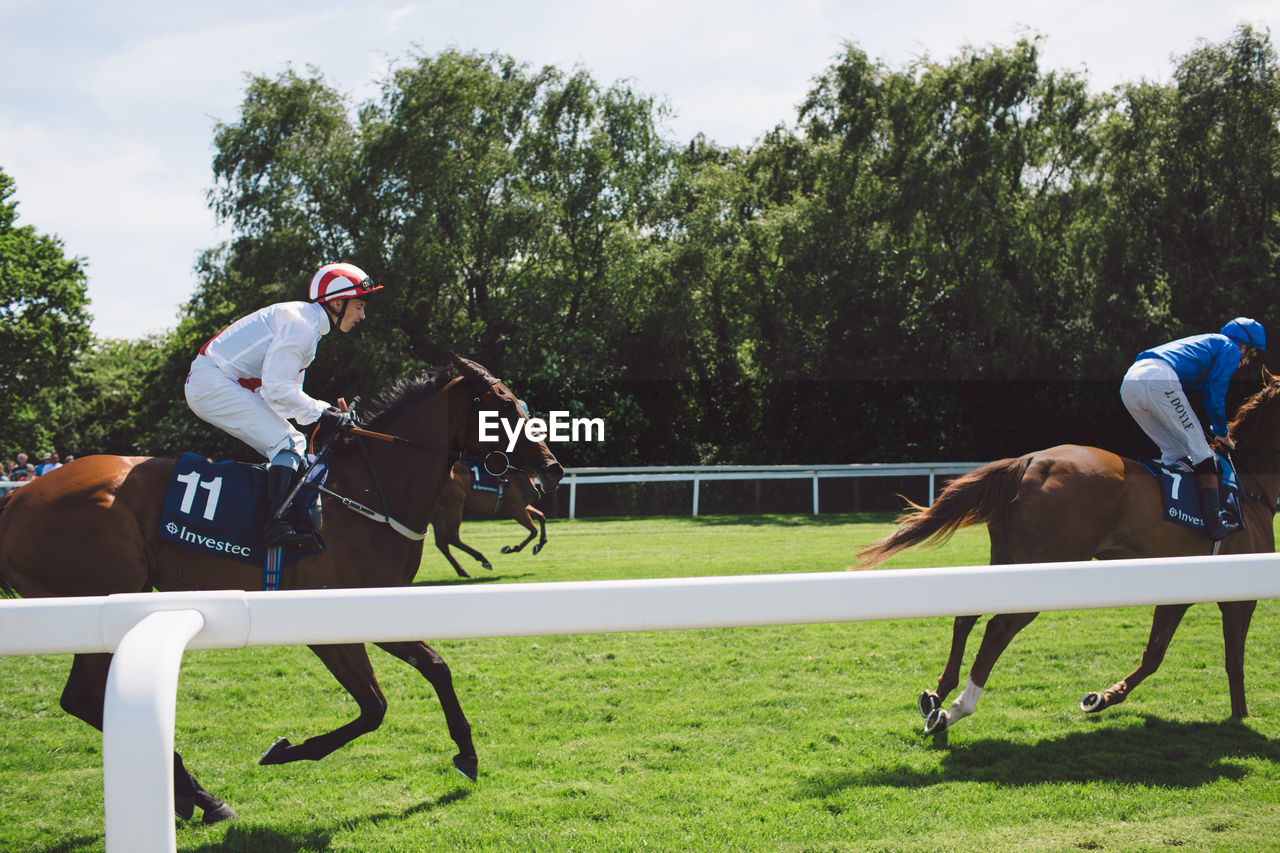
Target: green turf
800,738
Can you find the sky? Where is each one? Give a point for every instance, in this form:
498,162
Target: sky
107,110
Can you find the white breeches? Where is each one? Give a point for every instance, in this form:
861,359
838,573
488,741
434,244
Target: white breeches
1153,394
228,405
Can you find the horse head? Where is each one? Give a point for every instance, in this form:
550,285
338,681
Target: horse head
534,458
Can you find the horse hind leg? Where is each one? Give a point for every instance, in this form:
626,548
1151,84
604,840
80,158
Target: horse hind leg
84,697
443,541
931,700
1000,631
473,553
428,662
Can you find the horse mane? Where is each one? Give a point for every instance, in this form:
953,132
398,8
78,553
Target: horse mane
1250,411
404,393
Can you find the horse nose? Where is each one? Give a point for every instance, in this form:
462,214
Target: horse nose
551,475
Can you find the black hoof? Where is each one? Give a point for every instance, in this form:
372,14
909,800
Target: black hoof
219,813
468,766
487,565
506,549
935,722
928,703
537,548
276,754
184,807
1092,703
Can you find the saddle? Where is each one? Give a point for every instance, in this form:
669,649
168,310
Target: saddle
219,508
1181,497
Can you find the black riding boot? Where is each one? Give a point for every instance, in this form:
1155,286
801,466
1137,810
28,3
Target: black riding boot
280,532
1218,522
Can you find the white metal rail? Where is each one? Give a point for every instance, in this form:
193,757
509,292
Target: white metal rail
699,474
149,631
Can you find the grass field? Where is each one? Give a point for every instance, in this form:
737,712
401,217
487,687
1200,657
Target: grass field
801,738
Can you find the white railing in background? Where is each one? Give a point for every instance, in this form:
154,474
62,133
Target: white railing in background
699,474
149,631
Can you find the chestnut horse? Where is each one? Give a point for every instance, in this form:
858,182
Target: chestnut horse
113,504
447,519
1076,503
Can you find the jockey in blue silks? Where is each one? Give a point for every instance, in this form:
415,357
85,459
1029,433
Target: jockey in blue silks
1157,389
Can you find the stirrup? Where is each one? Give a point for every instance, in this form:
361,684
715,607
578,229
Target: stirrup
280,533
1221,527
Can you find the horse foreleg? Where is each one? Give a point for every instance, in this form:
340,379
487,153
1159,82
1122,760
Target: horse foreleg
349,663
427,661
527,523
999,633
83,698
542,528
931,700
1236,616
1163,623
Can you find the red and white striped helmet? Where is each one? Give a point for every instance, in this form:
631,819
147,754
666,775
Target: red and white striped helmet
340,281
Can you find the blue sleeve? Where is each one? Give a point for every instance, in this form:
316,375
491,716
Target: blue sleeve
1225,362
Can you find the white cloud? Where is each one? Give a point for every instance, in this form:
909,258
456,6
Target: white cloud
108,133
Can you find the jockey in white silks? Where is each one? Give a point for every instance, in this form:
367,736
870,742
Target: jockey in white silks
247,381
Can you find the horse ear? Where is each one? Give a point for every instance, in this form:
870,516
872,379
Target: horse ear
464,365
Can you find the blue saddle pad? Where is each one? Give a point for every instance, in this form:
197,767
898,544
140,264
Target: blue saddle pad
1181,496
483,481
220,508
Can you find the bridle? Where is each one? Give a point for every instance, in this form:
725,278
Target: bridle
464,455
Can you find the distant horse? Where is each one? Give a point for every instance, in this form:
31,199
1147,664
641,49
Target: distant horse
1076,503
113,505
459,492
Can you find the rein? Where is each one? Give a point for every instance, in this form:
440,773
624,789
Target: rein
464,455
1261,495
384,517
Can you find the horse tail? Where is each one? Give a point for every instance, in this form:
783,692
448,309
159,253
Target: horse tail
974,498
6,589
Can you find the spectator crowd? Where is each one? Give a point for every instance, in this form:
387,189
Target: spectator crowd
21,469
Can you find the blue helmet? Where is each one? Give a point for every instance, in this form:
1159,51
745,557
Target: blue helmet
1247,331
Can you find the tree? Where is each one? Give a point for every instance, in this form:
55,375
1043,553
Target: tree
44,326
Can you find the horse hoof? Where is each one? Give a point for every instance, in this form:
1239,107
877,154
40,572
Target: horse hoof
537,548
1092,703
276,754
219,813
506,549
487,565
936,722
928,703
184,807
468,766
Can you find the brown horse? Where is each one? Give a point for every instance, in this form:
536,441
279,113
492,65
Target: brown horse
458,493
1076,503
113,504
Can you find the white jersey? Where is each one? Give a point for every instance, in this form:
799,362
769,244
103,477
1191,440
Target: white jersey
270,350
